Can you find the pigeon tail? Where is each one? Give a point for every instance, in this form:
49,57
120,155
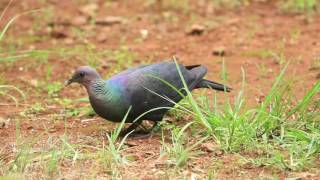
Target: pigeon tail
213,85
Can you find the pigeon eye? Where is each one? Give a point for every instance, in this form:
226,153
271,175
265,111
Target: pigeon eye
82,74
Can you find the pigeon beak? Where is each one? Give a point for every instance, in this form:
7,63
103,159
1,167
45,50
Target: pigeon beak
68,82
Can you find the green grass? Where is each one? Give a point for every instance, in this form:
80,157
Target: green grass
179,151
300,5
110,154
5,90
280,126
48,158
282,132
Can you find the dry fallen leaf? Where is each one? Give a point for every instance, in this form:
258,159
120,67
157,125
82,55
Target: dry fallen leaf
109,20
196,29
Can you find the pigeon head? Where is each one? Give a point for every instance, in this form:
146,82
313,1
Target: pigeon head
84,75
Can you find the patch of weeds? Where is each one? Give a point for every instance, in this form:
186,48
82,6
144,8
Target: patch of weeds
23,157
262,69
47,160
278,122
13,56
72,110
279,57
65,102
300,5
281,126
295,35
22,160
28,155
123,58
6,92
179,152
37,107
5,89
315,65
110,154
52,88
80,111
33,109
64,150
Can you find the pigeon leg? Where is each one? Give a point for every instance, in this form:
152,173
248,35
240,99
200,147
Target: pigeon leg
132,127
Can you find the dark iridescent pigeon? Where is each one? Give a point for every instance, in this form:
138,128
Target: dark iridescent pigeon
141,88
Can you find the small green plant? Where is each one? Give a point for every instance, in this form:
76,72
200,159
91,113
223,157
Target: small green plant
65,150
295,35
71,110
53,87
179,152
37,107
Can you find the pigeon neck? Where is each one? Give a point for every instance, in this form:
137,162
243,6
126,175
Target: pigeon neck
103,91
96,87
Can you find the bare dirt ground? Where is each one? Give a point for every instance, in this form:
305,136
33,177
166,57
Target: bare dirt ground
252,37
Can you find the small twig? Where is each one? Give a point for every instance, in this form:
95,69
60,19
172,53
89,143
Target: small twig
88,120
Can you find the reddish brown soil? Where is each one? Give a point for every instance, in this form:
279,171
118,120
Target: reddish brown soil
242,32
